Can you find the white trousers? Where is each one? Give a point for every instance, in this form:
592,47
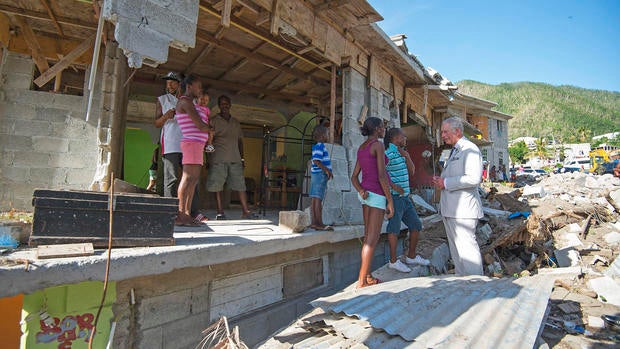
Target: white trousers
463,246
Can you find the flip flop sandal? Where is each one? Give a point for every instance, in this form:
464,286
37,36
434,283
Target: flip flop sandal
250,215
201,219
373,280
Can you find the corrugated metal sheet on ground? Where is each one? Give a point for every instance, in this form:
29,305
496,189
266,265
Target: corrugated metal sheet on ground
428,312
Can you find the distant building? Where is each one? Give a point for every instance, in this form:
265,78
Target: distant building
529,141
576,151
486,127
610,135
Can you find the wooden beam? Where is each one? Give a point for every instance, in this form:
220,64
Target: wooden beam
226,13
305,49
205,51
39,15
57,82
5,30
240,63
275,18
330,4
47,6
332,104
227,85
258,33
263,17
405,108
65,250
249,5
267,61
65,61
272,82
33,43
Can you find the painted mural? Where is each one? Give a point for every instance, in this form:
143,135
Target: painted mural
63,317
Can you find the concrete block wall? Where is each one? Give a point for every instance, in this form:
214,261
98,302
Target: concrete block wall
145,28
44,140
172,309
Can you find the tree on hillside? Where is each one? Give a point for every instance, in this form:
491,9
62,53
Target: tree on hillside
517,152
584,134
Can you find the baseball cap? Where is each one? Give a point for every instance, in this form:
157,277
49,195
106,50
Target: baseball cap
172,76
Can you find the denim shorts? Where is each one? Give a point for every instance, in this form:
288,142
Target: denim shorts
373,200
405,212
318,185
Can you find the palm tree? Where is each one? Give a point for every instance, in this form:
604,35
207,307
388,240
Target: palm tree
540,151
584,134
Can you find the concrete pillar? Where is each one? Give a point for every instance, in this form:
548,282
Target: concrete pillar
111,98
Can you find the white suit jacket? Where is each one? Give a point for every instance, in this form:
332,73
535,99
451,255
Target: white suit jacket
462,174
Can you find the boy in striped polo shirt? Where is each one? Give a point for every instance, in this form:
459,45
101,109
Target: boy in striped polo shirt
398,169
321,172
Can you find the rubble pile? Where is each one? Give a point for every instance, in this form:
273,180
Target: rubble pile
565,224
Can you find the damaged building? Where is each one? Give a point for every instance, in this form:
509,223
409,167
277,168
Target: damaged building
79,81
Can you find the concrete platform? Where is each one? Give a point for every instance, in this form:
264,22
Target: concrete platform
216,243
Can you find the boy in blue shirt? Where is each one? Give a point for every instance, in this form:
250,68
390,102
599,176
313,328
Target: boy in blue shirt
400,168
321,172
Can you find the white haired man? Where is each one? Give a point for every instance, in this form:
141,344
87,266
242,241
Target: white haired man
460,202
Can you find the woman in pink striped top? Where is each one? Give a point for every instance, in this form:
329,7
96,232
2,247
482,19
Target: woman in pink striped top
194,124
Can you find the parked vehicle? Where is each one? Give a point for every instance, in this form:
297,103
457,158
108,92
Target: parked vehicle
578,163
603,161
528,171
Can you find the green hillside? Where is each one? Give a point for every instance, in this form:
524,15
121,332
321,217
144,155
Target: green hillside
569,113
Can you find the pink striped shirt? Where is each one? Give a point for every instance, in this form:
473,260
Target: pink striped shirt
191,133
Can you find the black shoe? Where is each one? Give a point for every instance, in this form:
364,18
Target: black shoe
220,217
612,322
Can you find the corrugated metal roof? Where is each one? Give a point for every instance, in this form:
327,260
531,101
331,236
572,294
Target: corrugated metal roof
427,312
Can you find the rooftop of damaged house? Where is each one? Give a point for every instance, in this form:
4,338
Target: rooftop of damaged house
88,254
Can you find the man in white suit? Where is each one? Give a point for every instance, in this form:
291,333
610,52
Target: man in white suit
460,202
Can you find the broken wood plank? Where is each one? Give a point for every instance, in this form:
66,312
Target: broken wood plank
586,227
100,242
5,30
31,40
275,18
65,250
65,61
226,13
509,203
569,307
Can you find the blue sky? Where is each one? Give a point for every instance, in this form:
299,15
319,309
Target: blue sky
556,42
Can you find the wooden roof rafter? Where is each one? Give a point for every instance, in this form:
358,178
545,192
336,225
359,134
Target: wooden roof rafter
257,32
330,4
240,63
219,33
43,16
255,56
52,16
258,90
39,59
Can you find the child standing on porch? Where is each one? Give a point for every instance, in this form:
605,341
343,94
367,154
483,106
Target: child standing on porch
321,172
203,103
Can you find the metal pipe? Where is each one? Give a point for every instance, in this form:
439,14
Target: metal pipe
93,66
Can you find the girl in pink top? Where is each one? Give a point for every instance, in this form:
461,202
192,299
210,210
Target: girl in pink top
373,192
194,127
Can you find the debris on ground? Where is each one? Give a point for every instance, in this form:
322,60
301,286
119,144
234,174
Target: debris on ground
561,221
